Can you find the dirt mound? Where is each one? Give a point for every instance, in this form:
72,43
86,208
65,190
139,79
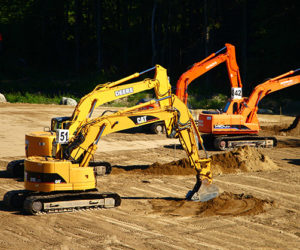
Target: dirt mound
180,167
292,130
224,204
244,159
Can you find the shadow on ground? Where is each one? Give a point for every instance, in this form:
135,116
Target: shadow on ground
293,161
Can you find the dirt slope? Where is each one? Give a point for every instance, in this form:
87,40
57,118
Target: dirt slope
153,214
245,159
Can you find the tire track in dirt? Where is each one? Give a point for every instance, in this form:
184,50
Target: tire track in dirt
165,190
166,235
9,187
158,246
77,233
16,236
214,237
144,192
265,227
259,235
270,233
275,155
210,233
131,226
135,228
288,186
237,238
205,244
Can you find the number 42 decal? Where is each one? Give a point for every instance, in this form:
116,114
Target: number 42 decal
62,136
236,93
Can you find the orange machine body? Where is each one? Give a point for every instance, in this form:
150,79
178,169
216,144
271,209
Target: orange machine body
240,115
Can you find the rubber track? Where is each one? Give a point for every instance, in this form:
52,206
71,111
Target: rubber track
245,138
70,196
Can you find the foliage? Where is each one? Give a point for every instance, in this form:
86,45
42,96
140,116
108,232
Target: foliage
33,98
217,101
55,46
131,100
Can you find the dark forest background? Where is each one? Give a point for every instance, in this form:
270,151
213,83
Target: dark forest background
61,46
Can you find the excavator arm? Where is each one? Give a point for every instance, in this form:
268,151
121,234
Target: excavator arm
104,93
207,64
285,80
178,122
43,143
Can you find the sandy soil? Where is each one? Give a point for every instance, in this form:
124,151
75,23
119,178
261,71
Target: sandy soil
258,207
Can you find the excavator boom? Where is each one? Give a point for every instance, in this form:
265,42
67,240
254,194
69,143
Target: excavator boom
43,143
268,87
207,64
104,93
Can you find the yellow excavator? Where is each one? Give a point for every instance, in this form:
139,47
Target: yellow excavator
43,143
64,181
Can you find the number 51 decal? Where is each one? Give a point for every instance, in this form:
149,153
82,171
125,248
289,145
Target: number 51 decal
62,136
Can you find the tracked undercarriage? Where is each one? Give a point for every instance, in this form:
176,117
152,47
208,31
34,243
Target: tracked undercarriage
226,142
35,203
54,186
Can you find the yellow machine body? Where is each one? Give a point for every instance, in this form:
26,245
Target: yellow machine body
39,143
49,174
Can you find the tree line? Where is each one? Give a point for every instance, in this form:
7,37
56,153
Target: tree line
119,37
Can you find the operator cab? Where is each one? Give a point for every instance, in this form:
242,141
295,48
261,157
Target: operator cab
60,123
233,106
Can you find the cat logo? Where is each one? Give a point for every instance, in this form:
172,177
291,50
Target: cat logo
141,119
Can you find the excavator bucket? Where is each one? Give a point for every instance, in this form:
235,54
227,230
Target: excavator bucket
202,191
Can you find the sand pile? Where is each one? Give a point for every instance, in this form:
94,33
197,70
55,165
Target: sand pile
180,167
244,159
224,204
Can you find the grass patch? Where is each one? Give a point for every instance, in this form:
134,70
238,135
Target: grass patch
215,102
131,100
27,97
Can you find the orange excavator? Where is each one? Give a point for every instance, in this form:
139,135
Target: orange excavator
237,124
207,64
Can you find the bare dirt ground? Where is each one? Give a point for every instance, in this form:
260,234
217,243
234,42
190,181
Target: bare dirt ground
258,206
